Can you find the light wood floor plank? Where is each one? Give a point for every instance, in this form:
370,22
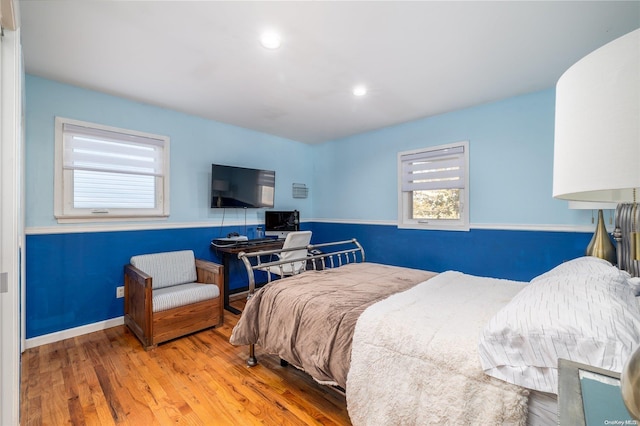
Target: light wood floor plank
106,378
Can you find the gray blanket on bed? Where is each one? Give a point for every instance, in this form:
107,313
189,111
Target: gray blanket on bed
309,319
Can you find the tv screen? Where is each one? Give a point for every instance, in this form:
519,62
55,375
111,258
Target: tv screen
241,187
279,224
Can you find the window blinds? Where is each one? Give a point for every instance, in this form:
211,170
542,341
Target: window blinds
112,169
436,169
103,150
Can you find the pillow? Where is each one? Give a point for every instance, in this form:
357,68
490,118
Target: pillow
583,310
591,265
581,265
634,283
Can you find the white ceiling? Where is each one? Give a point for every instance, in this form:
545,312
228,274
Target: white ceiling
417,58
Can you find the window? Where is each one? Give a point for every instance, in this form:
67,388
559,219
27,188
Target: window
433,187
108,173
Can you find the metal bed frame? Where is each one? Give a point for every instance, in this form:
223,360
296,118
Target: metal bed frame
627,221
336,256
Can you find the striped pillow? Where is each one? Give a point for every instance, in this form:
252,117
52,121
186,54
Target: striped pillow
582,311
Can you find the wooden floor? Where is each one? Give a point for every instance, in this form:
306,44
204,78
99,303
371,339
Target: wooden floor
106,378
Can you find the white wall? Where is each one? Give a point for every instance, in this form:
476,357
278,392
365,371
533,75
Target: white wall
196,143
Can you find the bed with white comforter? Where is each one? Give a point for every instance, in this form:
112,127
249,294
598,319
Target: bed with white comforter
461,349
454,349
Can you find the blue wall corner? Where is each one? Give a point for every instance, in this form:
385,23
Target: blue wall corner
514,255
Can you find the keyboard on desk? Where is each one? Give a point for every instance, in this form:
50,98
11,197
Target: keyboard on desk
242,243
257,242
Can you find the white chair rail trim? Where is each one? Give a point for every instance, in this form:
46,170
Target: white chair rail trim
45,230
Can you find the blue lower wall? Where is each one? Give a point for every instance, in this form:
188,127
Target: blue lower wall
72,278
514,255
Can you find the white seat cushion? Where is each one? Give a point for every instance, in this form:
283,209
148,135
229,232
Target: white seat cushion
183,294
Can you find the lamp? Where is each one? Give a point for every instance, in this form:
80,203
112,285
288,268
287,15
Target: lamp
597,134
597,129
630,384
600,244
597,143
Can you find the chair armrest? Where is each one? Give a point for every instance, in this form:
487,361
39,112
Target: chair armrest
136,276
209,273
138,298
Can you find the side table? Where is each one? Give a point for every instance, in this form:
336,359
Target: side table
589,396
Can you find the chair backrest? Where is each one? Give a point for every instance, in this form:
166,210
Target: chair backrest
295,239
168,268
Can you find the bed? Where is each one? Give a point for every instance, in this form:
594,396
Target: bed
418,347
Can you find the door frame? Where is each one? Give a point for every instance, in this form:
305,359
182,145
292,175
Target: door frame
11,225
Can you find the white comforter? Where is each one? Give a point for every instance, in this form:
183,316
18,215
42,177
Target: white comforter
414,359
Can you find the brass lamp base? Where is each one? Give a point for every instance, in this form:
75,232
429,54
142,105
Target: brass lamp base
601,245
635,245
630,384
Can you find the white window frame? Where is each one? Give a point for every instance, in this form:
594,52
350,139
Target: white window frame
405,198
64,209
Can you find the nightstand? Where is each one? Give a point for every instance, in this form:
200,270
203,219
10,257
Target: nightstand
589,396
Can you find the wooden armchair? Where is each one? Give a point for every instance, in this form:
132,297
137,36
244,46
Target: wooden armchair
168,295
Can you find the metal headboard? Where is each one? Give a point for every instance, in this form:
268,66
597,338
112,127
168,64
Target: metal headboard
625,222
336,256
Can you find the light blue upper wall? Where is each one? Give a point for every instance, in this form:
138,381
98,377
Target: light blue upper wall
511,165
196,143
352,179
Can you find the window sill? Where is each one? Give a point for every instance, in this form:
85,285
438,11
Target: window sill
94,219
434,227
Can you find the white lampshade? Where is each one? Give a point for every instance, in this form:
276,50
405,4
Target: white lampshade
588,205
597,129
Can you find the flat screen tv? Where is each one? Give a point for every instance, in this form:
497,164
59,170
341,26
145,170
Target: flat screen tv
279,224
240,187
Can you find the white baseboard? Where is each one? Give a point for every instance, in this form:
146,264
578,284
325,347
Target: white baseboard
73,332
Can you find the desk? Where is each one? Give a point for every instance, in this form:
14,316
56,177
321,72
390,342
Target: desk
232,251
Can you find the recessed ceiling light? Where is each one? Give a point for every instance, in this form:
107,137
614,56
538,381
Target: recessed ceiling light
270,40
360,90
